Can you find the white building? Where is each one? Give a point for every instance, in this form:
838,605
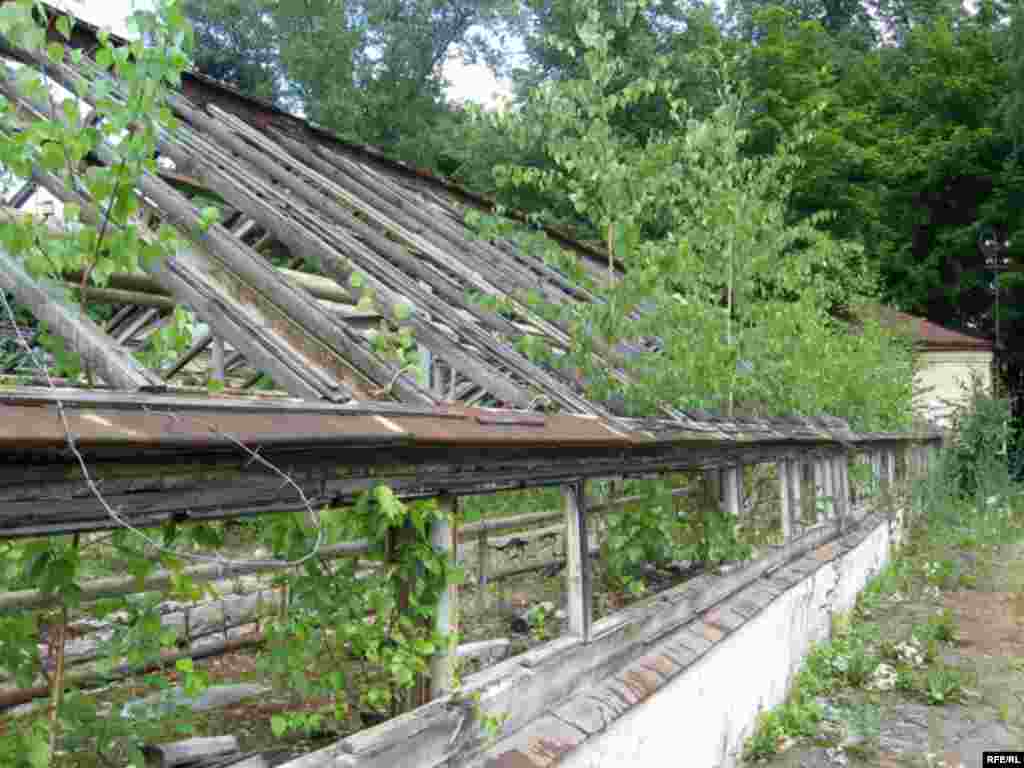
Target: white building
946,364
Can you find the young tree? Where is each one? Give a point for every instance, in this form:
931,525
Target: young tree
703,232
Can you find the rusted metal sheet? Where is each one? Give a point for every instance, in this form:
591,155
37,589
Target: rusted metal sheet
166,423
29,419
40,427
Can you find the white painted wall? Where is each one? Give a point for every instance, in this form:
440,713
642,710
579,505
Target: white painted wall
942,378
703,717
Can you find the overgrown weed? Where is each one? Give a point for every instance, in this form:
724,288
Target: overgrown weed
965,505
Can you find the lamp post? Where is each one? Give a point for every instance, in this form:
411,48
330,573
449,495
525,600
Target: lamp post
994,250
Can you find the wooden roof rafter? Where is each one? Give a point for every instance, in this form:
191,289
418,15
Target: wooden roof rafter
481,349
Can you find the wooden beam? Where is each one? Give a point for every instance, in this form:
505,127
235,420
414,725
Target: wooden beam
199,345
795,490
444,535
819,487
829,492
846,500
141,283
482,565
785,507
217,374
111,363
577,573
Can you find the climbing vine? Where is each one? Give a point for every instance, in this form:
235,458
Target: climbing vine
69,123
370,622
358,635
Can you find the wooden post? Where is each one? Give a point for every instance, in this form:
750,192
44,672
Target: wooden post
444,537
712,487
732,480
819,489
844,486
57,642
578,559
890,468
482,564
828,471
838,500
398,537
795,481
782,467
286,595
218,359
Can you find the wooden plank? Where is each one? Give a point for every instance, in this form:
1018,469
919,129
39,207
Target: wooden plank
795,490
733,492
482,564
845,500
444,537
199,345
828,478
191,751
114,365
218,359
577,573
785,508
116,586
116,296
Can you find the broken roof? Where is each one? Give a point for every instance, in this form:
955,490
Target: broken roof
347,213
350,217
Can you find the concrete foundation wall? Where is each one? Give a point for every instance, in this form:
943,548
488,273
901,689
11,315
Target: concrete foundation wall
702,717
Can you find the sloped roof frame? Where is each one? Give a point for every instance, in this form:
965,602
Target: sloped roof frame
423,450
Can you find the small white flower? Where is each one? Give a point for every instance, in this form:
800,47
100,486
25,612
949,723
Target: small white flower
883,678
909,653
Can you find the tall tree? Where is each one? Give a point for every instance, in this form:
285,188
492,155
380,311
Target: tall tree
370,70
236,43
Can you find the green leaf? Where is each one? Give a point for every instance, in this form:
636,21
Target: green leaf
208,217
457,575
55,52
104,59
63,25
39,753
278,726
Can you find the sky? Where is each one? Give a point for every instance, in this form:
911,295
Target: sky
468,82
